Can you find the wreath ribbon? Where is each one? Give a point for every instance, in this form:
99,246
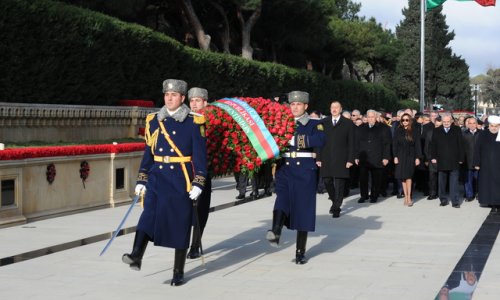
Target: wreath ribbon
252,125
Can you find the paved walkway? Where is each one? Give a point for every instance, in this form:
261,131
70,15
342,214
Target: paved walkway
373,251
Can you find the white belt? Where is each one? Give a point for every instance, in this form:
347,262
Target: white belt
299,154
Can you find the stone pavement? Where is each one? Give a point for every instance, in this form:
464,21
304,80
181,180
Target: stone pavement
373,251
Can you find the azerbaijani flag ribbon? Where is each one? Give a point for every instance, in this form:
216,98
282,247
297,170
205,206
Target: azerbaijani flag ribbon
435,3
252,125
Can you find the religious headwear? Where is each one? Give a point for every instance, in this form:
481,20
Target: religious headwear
175,85
298,96
493,120
196,92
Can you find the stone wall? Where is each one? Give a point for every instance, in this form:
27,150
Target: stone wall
20,122
36,198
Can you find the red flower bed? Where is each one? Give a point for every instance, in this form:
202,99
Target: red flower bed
140,103
228,147
34,152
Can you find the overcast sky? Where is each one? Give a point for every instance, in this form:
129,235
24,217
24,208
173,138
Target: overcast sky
477,28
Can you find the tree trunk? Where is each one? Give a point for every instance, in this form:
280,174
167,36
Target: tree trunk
246,30
309,65
226,37
203,39
353,74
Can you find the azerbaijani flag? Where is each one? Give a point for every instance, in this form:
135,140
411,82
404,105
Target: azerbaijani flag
435,3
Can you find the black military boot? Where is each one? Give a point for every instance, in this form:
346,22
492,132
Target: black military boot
134,259
300,253
194,251
273,235
179,262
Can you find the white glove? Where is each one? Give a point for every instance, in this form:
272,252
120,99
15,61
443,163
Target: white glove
195,192
292,141
140,188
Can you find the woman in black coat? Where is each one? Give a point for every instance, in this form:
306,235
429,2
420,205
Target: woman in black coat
407,154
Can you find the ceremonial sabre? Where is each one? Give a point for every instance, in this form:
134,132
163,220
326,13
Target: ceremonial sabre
134,202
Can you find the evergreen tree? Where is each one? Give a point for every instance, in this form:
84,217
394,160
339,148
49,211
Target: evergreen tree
446,75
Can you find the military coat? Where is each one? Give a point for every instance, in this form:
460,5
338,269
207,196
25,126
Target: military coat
168,209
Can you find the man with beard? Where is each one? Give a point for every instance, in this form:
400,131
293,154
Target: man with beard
487,161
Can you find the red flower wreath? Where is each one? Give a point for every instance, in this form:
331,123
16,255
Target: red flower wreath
228,147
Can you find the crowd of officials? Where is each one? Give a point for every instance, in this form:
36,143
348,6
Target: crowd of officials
432,153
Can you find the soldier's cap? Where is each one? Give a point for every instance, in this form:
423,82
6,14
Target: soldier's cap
298,96
195,92
175,85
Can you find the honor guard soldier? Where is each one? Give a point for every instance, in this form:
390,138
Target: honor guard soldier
172,173
296,177
197,98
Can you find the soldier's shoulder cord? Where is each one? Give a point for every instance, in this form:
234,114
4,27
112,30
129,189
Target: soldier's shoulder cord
197,118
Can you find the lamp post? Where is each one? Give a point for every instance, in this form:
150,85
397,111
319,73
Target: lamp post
476,90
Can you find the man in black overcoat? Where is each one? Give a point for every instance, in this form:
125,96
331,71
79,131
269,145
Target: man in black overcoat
337,156
470,134
447,150
372,154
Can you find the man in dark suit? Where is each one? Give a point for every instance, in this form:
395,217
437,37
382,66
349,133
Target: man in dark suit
447,151
470,137
372,154
337,156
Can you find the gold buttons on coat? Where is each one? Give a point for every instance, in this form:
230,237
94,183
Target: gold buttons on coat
161,149
173,132
161,167
298,163
172,167
171,150
287,163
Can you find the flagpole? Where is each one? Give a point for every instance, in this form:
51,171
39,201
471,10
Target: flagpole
422,54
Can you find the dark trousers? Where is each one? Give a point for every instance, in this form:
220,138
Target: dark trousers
336,189
471,183
421,177
354,176
203,206
433,183
376,174
443,177
241,183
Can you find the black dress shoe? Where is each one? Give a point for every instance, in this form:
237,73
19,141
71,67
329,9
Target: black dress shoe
194,252
443,203
469,199
456,205
432,197
373,200
254,196
240,197
178,279
300,258
134,262
362,200
383,194
400,196
336,214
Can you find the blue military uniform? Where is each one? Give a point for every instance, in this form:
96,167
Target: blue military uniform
296,177
167,214
173,171
296,180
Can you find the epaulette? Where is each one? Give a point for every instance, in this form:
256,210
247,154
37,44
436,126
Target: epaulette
197,118
150,116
